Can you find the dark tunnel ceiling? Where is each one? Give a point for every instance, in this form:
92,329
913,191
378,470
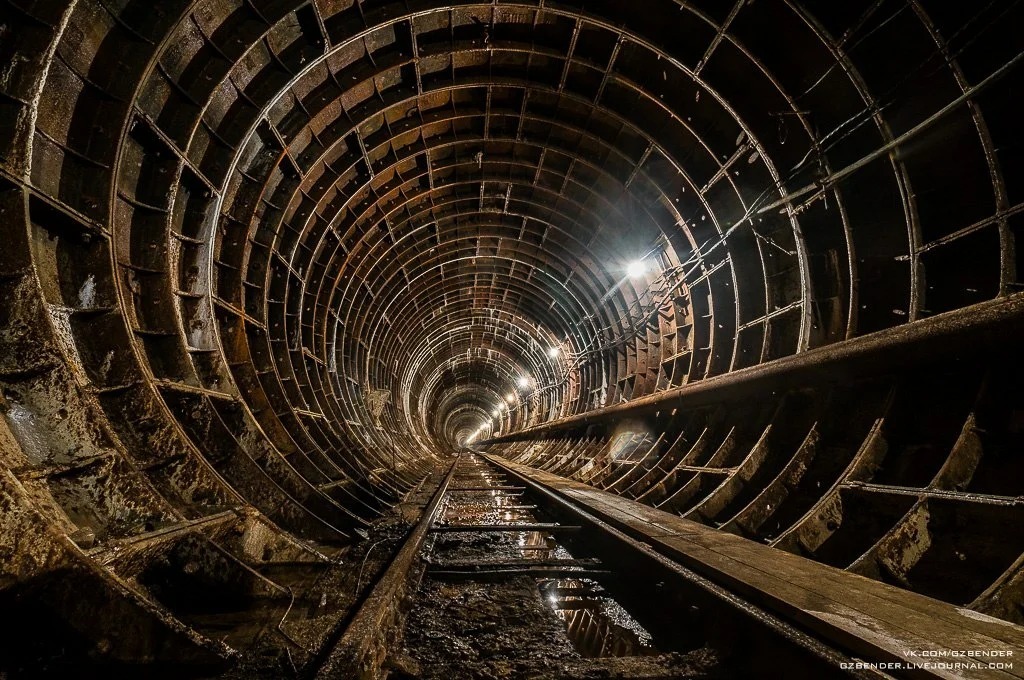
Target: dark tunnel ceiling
288,252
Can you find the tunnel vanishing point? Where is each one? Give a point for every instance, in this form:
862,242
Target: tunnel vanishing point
734,280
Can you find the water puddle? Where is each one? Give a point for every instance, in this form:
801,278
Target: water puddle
596,624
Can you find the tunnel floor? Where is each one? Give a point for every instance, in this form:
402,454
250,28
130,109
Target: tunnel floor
504,625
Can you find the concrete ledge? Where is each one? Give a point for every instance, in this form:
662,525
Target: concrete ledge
873,620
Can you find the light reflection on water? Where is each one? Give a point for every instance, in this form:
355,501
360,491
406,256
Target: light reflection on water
597,625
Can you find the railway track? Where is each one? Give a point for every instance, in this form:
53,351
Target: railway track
504,578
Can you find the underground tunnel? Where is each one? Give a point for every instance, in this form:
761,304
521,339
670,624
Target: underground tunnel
511,339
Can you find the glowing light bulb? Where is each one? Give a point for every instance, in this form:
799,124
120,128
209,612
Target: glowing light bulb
554,352
636,269
524,382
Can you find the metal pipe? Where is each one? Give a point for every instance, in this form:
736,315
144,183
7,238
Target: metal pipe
886,148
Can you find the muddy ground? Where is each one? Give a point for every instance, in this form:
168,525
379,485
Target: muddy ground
488,631
467,630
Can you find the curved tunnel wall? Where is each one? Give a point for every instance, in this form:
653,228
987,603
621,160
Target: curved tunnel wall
266,262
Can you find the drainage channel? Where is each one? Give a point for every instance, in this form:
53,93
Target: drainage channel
502,581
